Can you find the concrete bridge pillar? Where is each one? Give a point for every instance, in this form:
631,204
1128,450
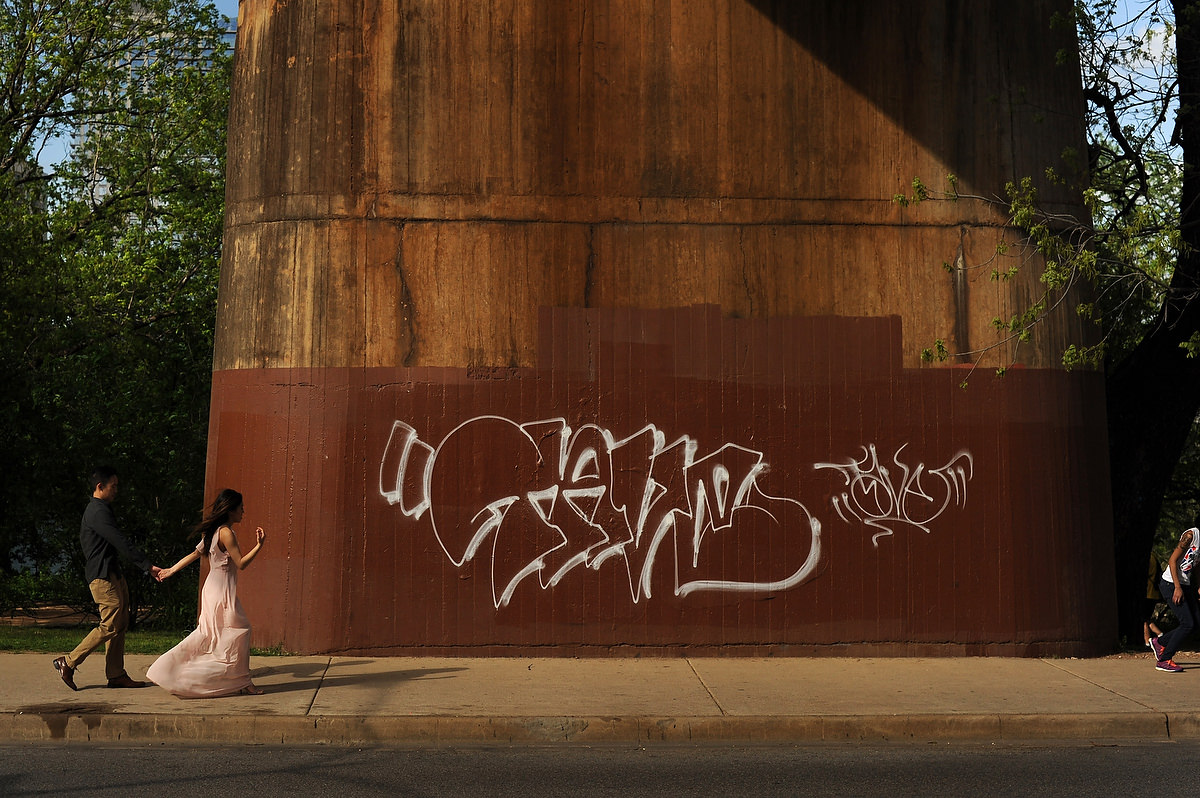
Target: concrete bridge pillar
592,327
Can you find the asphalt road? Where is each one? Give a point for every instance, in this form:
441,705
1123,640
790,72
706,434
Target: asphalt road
1058,770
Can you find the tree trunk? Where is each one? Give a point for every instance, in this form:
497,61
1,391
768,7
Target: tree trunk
1154,395
1152,403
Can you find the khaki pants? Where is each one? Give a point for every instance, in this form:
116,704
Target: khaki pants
112,597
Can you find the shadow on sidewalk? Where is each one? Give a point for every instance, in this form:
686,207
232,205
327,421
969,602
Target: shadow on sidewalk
311,676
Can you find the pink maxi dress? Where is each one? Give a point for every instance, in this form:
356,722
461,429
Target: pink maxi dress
214,660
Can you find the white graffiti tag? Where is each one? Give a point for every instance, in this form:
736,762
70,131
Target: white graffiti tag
543,499
881,499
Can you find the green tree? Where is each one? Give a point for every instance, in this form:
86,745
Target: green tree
108,267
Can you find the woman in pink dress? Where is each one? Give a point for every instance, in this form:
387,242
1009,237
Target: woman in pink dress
214,660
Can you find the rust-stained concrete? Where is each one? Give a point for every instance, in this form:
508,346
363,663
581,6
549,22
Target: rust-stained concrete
592,327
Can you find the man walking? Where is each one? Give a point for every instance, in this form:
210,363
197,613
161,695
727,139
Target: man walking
102,543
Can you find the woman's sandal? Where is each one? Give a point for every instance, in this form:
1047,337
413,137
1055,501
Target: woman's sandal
251,690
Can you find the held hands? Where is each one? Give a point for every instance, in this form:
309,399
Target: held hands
163,573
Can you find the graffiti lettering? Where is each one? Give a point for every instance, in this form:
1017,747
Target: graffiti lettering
542,499
881,499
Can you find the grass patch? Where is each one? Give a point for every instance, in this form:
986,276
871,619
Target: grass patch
60,640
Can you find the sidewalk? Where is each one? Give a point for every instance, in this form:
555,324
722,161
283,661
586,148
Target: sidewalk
441,701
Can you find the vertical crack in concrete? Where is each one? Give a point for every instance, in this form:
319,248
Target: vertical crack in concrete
407,323
589,270
741,242
703,684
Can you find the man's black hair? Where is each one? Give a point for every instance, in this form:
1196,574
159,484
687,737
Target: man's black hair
102,475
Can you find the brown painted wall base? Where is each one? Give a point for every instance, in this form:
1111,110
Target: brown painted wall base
674,481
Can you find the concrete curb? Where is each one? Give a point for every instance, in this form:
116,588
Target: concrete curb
436,701
75,727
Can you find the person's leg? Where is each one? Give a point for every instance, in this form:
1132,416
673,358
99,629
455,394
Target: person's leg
1149,628
1192,600
114,657
1185,611
107,599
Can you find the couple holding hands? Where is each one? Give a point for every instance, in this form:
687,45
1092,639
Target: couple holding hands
214,660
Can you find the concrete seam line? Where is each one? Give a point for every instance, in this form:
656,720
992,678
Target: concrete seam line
1109,690
705,686
1184,725
320,684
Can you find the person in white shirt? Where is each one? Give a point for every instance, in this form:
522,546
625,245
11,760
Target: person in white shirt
1179,591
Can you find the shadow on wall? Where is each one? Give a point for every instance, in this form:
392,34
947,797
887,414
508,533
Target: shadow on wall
946,71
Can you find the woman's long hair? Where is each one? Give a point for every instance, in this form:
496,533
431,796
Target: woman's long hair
226,502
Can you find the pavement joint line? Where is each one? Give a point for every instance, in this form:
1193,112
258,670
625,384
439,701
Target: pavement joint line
1054,664
320,684
705,686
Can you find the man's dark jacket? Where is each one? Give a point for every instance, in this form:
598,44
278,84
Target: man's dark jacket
102,543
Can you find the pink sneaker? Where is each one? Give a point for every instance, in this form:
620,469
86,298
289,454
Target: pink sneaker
1157,648
1169,666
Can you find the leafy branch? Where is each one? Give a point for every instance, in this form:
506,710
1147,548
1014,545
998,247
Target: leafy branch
1070,253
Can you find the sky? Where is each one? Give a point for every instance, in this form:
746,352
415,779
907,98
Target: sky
227,7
